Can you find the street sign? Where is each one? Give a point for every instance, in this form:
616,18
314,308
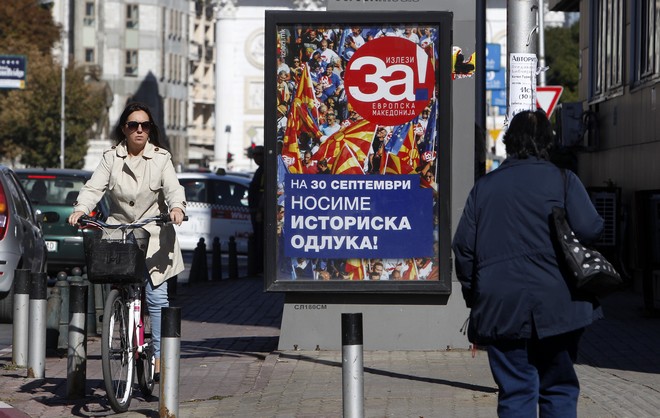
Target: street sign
547,98
493,57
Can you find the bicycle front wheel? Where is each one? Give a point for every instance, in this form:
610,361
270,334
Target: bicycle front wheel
117,355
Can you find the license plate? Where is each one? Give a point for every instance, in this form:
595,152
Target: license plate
51,246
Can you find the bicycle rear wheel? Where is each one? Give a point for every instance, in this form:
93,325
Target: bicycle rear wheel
116,354
146,362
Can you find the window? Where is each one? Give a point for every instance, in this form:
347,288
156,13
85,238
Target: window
607,47
131,67
647,42
89,56
90,13
132,17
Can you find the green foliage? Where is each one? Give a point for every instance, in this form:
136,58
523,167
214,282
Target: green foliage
562,54
30,119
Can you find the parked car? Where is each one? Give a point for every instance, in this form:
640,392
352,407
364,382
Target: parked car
54,191
22,243
217,207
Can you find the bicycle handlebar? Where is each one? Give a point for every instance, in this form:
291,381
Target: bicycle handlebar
163,218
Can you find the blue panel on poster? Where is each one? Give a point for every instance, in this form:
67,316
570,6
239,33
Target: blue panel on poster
498,98
357,216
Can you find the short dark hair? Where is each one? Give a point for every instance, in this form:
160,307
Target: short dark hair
529,134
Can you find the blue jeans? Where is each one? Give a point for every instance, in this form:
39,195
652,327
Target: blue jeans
156,300
533,372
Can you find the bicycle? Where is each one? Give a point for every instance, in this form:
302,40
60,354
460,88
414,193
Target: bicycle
116,255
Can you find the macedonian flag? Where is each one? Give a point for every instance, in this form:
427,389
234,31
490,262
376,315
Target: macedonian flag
357,137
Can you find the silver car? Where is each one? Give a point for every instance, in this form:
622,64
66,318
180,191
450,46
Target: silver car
22,242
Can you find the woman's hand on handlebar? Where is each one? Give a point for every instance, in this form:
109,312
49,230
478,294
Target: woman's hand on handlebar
73,218
176,216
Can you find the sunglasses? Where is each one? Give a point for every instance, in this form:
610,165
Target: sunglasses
132,125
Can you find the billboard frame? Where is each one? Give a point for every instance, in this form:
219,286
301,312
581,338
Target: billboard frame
443,22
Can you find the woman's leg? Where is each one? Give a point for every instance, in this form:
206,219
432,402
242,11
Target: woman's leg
516,378
156,300
559,385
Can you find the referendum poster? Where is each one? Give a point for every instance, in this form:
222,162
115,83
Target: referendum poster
360,148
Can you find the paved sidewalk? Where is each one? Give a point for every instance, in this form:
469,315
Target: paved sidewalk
230,367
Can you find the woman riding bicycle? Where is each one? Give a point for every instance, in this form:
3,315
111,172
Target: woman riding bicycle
139,178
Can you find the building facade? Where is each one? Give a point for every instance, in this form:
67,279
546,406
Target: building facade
616,136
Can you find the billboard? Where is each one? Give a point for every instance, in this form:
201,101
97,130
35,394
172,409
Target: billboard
13,71
357,151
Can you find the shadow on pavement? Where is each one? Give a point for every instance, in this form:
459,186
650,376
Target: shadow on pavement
625,339
371,370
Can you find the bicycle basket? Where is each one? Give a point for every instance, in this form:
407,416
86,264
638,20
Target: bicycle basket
115,256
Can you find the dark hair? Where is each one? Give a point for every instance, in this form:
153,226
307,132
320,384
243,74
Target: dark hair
529,134
118,134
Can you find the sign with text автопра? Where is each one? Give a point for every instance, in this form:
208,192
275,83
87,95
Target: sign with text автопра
358,171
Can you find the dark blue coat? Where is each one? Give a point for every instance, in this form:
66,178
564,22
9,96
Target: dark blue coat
505,259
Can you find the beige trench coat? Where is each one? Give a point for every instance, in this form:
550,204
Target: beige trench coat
139,189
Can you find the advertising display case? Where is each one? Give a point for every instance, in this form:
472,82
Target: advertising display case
358,152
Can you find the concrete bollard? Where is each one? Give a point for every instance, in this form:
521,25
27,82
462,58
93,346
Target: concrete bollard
53,308
198,270
99,301
252,257
169,366
91,309
216,260
21,322
352,365
76,377
63,285
37,329
233,259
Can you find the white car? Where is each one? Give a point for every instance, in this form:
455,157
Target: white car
217,206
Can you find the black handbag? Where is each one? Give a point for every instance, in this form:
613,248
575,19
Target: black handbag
118,260
587,269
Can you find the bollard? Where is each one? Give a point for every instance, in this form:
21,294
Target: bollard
99,301
216,260
19,352
352,366
169,366
233,259
196,270
76,376
172,284
63,285
251,257
53,307
37,329
91,309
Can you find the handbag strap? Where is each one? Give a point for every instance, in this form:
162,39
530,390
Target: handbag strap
564,181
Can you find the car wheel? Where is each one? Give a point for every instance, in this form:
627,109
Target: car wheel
7,307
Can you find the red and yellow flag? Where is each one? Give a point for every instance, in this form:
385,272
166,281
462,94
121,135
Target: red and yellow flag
346,163
392,164
355,267
357,136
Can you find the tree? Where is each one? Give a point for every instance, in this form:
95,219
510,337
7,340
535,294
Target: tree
562,53
30,119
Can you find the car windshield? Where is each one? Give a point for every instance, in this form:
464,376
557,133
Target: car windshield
52,190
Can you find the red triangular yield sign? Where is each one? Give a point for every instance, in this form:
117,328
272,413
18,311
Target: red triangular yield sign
547,98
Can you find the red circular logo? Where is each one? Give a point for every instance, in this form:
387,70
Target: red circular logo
389,80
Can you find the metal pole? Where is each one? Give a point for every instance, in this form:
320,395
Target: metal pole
542,42
21,317
352,365
169,365
521,29
37,331
65,59
76,377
